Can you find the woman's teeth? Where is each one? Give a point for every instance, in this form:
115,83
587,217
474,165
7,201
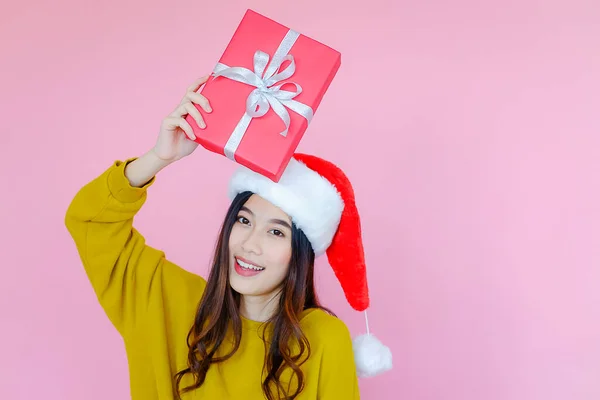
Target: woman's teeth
249,266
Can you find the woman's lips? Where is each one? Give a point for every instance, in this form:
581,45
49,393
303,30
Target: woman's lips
243,270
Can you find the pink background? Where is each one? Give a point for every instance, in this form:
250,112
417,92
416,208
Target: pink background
470,131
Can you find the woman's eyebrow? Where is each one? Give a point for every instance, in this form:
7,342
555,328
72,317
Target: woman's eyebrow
281,222
249,211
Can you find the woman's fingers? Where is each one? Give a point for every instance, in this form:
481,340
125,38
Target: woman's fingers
197,83
173,122
200,100
188,108
177,118
189,132
193,111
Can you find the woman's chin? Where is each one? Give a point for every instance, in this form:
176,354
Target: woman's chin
242,286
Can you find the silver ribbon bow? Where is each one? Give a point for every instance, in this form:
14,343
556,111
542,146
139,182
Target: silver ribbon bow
267,94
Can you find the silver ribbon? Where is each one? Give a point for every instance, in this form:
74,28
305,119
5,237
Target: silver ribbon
267,94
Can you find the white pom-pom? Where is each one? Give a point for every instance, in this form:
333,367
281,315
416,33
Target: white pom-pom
371,356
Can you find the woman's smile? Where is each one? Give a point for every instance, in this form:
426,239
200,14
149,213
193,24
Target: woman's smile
245,268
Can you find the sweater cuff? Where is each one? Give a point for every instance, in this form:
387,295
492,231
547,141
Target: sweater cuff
119,185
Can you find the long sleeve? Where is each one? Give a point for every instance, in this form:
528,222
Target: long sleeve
122,269
337,376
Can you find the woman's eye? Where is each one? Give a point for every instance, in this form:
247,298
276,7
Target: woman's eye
243,220
277,232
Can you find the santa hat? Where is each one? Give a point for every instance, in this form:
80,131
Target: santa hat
319,198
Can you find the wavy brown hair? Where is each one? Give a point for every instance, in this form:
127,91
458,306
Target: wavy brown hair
218,311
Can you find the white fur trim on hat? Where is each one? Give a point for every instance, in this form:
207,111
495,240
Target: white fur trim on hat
311,201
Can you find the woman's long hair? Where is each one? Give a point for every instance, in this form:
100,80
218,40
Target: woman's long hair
218,311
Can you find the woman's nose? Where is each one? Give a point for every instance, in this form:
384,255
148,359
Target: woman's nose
251,243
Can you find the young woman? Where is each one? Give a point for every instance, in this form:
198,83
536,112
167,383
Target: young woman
255,328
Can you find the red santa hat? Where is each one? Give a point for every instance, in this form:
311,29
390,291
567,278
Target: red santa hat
319,199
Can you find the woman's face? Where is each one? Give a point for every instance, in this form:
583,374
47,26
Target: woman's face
260,247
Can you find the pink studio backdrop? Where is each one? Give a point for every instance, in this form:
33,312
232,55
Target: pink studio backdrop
471,132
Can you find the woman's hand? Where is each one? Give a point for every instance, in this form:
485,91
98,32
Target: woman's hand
176,137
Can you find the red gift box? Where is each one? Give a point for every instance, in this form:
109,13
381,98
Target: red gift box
265,89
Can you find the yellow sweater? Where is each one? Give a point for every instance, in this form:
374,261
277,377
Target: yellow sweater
152,303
